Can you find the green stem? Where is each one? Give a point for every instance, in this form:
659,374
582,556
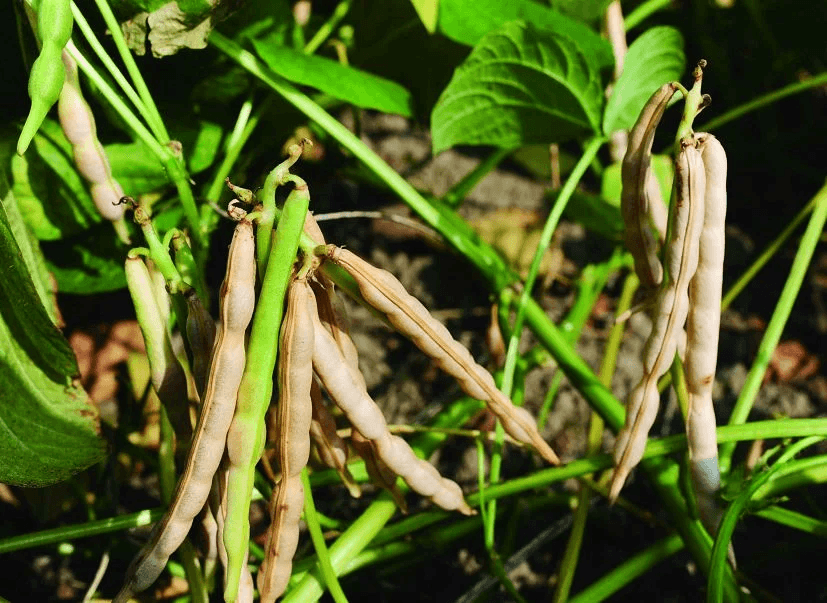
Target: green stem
766,255
256,387
630,570
84,530
327,27
649,7
568,565
107,61
769,98
775,328
155,122
514,340
461,189
718,562
112,97
545,240
795,520
315,529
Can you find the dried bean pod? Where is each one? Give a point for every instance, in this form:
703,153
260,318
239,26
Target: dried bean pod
380,474
407,314
78,124
237,302
167,376
201,337
365,416
637,178
702,328
669,314
331,448
295,376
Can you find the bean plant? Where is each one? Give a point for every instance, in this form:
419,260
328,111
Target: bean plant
154,136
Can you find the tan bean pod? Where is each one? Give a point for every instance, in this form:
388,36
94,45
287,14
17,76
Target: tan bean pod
331,448
191,492
638,180
365,416
78,124
167,376
381,290
669,314
702,329
295,377
201,337
380,474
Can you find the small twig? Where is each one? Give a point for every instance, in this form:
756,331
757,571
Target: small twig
104,563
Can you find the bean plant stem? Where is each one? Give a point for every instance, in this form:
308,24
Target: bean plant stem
647,8
154,120
324,32
780,315
568,565
718,563
767,99
629,570
457,193
315,529
110,65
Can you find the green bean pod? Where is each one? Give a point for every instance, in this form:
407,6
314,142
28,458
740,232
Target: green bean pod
54,28
246,437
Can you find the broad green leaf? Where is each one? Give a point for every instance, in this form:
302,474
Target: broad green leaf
201,152
519,85
91,262
48,428
27,242
136,168
467,21
428,12
653,59
587,11
349,84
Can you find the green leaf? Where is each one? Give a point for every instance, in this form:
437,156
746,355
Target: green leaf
136,168
653,59
201,151
587,11
48,428
349,84
467,21
519,85
427,11
89,263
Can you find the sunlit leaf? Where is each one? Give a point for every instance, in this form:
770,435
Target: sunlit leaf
519,85
653,59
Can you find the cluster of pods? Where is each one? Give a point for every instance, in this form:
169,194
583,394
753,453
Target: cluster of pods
685,303
315,354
